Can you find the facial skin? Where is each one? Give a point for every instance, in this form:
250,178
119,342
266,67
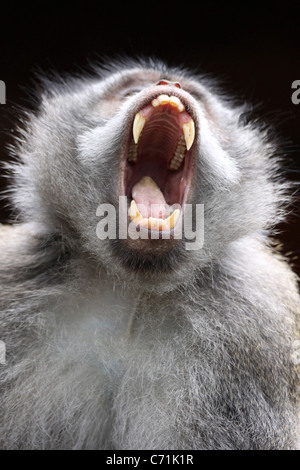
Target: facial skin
146,343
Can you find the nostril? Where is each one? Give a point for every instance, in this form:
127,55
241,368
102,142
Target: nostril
167,82
162,82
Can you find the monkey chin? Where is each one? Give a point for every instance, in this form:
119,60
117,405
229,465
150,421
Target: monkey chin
156,261
157,174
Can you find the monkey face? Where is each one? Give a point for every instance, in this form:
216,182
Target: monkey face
149,142
155,166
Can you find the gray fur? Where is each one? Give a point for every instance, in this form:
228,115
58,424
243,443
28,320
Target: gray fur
108,348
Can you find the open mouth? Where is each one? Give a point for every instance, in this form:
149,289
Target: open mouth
159,164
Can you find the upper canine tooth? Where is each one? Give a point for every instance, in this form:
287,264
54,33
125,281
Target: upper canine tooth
189,133
138,124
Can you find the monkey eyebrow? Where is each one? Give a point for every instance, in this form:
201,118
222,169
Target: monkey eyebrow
133,88
126,83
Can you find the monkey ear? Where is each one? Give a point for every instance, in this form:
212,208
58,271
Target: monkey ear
219,166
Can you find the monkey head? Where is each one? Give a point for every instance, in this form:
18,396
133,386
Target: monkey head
149,141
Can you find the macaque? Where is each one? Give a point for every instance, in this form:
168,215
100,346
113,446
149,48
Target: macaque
143,301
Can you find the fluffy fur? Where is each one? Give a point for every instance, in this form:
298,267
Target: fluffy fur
110,348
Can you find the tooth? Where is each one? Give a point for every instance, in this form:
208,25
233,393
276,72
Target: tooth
175,165
153,223
132,154
134,213
171,221
163,99
189,133
145,223
155,103
176,103
179,155
138,124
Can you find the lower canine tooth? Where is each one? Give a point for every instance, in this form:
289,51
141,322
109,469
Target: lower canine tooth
134,213
171,221
138,125
189,133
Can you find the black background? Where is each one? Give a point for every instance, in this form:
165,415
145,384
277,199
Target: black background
254,51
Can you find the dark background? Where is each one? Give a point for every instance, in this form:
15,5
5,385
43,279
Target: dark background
255,52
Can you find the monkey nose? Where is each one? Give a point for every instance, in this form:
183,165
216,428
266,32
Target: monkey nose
167,82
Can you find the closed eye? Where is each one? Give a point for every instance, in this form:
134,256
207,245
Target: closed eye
130,92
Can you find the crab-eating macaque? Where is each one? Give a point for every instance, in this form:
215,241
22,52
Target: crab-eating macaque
147,337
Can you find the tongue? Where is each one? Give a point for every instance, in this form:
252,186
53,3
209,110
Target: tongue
149,198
